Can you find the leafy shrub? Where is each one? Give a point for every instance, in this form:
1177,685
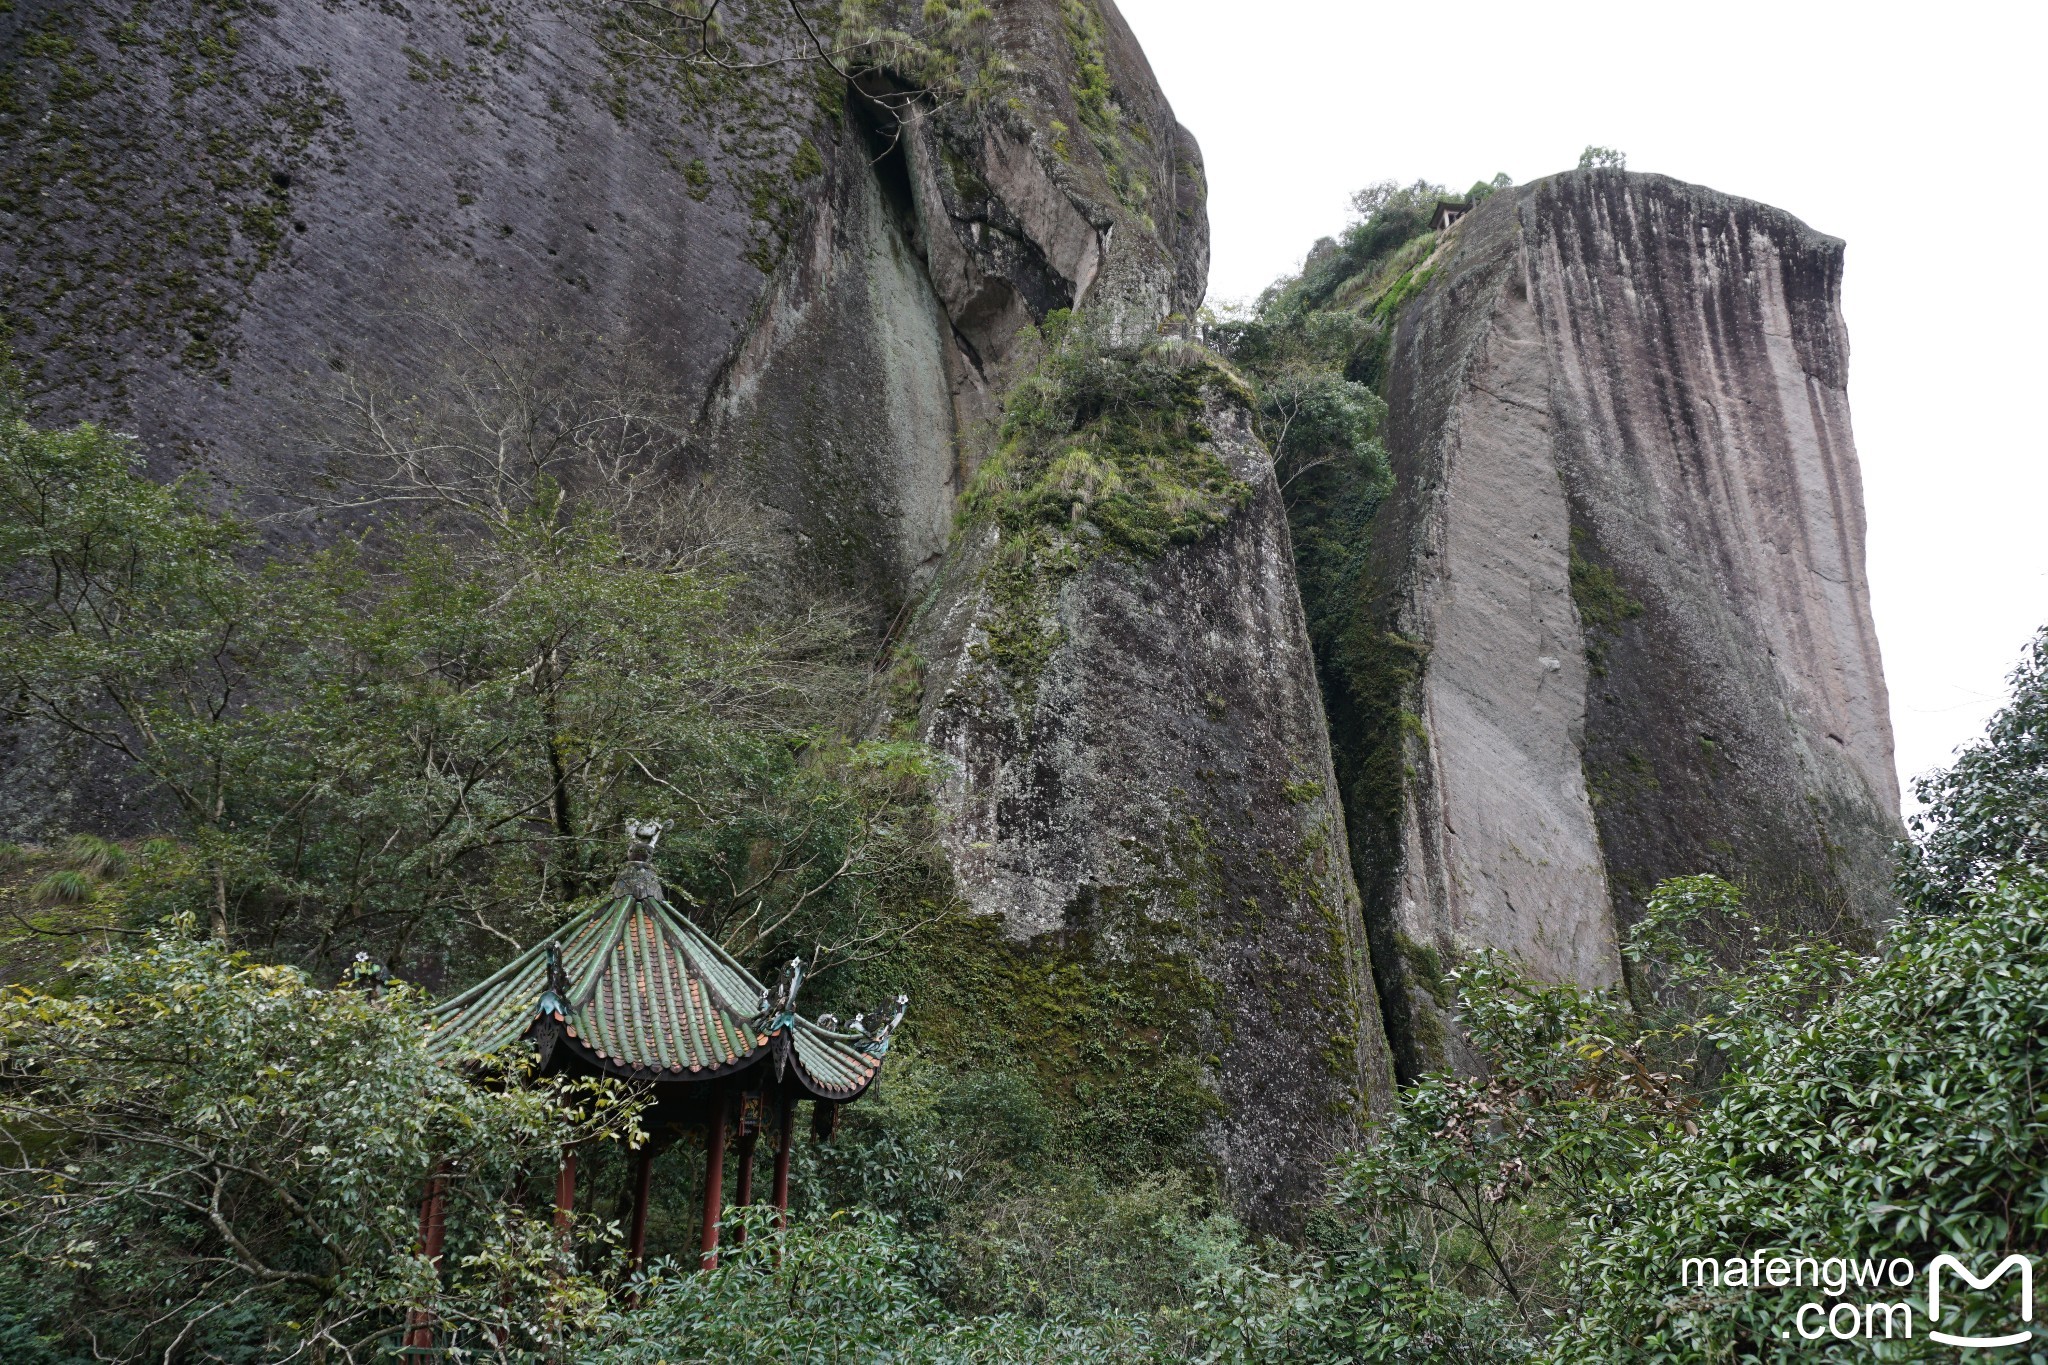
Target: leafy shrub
1110,436
837,1288
1478,1177
1310,413
209,1155
1895,1117
1861,1107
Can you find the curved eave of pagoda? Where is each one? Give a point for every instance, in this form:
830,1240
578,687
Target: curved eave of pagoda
814,1086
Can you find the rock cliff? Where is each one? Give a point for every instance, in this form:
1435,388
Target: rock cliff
1156,781
205,208
1620,627
1625,556
207,205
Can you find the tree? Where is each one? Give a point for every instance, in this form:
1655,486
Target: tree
1895,1116
425,738
1386,197
133,625
1310,414
1481,189
1602,158
1477,1177
1987,813
208,1158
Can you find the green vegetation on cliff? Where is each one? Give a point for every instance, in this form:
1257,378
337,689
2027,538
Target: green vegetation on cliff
418,743
424,742
1989,810
1108,127
1604,604
1102,450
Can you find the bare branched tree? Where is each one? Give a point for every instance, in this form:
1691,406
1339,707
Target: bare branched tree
468,432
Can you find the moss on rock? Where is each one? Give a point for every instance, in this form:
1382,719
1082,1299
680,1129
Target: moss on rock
136,234
1112,1020
1102,450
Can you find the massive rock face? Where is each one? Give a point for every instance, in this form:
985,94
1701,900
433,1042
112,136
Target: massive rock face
1620,579
1626,543
1165,787
204,208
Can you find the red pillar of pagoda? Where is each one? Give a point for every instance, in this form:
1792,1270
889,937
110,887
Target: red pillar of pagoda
785,1115
419,1323
565,1197
714,1180
743,1191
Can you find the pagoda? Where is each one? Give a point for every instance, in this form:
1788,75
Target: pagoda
632,988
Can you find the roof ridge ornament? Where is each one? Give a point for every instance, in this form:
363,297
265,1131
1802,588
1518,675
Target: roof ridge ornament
366,975
642,836
876,1044
638,878
778,1013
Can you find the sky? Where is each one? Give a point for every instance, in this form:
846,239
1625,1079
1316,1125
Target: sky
1916,135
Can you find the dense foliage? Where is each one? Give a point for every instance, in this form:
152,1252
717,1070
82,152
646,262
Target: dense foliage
1896,1116
838,1288
1107,440
208,1158
1813,1102
424,740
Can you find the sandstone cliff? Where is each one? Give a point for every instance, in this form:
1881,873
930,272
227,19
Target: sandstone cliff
1620,628
208,207
1625,556
1158,783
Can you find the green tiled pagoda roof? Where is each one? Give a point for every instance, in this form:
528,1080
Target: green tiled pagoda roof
650,996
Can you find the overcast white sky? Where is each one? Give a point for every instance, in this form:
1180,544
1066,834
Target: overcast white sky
1916,134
